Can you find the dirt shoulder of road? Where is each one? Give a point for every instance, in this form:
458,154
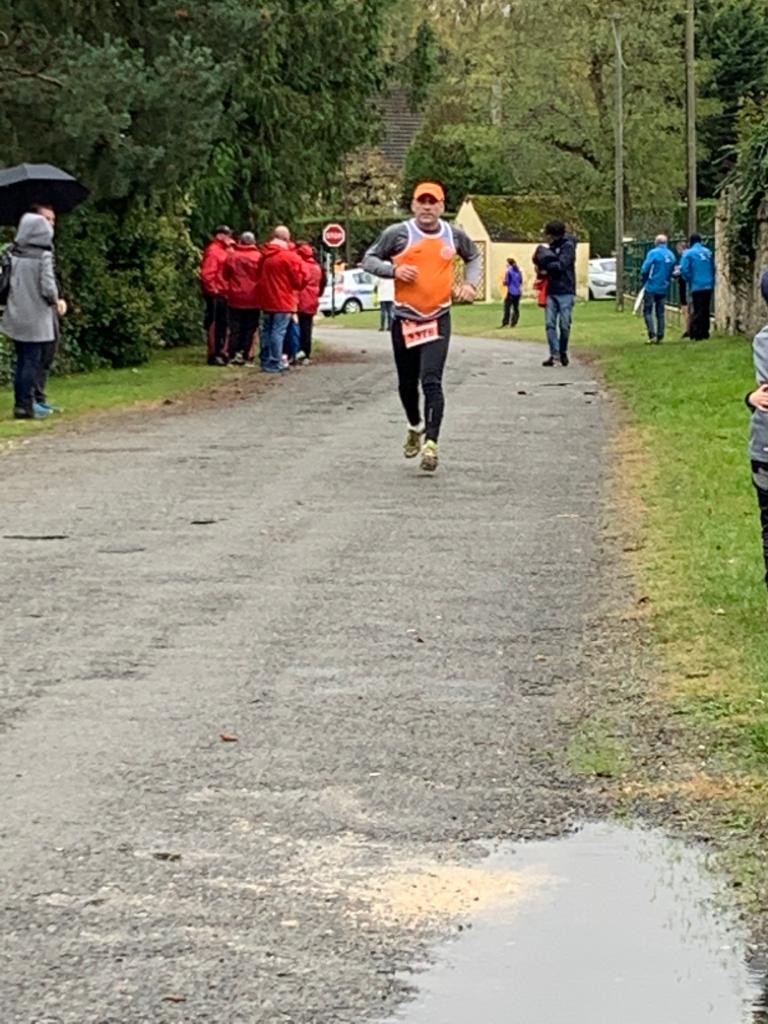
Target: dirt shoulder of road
230,385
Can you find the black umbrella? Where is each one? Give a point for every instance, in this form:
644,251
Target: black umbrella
26,184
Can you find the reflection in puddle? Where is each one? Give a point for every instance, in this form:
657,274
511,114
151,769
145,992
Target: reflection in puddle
625,931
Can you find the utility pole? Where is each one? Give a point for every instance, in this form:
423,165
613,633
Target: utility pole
690,79
619,173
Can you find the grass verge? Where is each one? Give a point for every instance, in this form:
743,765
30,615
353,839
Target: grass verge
169,374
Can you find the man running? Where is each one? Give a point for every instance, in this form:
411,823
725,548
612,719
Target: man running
419,254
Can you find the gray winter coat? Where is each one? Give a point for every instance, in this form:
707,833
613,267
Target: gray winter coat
31,314
758,438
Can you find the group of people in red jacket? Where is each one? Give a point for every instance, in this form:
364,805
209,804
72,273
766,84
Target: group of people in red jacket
268,293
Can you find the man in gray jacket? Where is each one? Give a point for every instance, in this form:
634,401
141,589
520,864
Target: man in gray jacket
419,254
31,315
758,440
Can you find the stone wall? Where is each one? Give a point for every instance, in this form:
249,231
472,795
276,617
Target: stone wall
739,308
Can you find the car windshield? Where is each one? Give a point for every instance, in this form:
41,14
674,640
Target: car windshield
609,266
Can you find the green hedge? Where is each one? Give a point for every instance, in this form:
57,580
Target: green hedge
130,279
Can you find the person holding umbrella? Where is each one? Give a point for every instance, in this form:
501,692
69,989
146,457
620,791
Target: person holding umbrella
31,314
50,350
31,195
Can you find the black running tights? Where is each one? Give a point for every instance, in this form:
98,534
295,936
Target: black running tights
423,365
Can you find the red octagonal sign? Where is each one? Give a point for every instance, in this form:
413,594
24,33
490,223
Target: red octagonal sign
334,235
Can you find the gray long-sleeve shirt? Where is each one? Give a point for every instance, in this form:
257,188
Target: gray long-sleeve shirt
395,239
758,440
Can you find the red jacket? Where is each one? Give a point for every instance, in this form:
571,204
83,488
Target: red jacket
214,258
309,296
240,274
281,275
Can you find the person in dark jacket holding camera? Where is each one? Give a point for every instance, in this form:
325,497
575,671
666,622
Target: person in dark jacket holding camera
558,264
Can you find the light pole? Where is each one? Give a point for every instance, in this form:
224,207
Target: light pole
690,111
619,172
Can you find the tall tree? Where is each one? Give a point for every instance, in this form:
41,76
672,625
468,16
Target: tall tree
176,115
733,45
526,101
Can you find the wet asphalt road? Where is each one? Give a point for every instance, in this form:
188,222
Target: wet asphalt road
392,652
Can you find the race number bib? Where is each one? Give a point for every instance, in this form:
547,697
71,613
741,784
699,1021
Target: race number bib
419,332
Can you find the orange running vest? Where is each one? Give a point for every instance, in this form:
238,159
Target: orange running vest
433,256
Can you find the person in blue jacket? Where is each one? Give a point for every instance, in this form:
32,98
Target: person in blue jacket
656,273
513,282
697,268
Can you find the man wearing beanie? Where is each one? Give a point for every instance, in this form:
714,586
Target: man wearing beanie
697,268
757,401
557,262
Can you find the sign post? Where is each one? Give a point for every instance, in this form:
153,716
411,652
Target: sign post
334,236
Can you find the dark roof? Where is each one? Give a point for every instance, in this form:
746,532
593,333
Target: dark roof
521,218
400,124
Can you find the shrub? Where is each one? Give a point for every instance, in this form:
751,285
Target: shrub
130,280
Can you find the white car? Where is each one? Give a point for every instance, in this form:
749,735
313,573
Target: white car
602,279
354,290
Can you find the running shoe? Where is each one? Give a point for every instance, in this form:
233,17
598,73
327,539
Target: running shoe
429,456
413,442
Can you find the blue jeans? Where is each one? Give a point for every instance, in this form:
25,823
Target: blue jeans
292,342
29,358
654,304
559,307
273,330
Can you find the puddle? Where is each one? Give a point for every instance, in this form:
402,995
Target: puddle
625,929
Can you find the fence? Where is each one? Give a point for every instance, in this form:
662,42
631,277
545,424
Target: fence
458,270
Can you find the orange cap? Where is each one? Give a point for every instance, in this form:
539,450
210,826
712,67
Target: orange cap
429,188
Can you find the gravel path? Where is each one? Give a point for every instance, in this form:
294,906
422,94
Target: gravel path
391,651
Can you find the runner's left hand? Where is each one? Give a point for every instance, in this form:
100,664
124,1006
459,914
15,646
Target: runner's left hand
466,292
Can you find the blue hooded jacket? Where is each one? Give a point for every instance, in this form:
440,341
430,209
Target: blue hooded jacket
697,268
513,279
657,270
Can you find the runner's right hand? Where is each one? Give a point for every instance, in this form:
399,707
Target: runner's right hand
406,272
759,398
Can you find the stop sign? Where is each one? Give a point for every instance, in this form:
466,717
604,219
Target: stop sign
334,235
